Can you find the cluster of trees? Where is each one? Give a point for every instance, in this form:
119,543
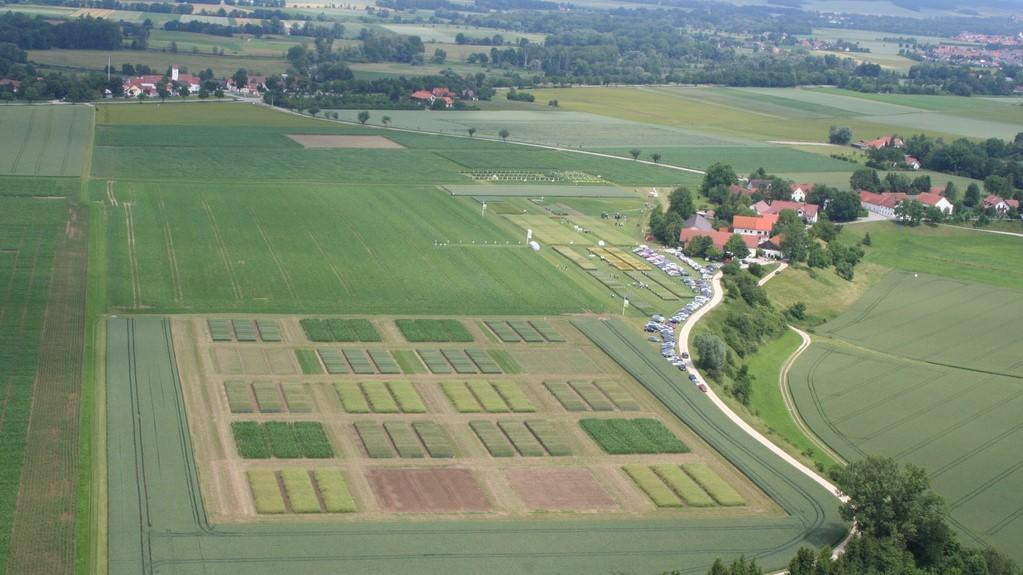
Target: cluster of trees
35,33
378,47
495,40
903,529
666,226
998,162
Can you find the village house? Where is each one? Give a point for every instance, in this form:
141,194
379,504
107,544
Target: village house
148,84
999,205
882,142
912,162
884,204
430,96
800,191
253,87
718,238
771,248
808,212
755,226
14,85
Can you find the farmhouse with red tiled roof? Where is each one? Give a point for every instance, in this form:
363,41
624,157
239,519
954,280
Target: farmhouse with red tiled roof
756,226
806,211
717,237
430,96
882,142
149,83
998,204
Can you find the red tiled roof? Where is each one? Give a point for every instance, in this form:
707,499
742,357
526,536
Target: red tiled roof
421,95
992,200
928,198
759,223
775,207
736,189
887,199
717,237
805,187
1014,204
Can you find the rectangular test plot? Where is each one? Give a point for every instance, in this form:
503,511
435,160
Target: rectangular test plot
483,361
503,331
566,396
618,395
435,439
351,397
298,398
407,397
268,330
377,443
514,396
384,362
380,398
493,439
548,332
359,362
434,361
406,442
522,438
526,331
488,397
245,330
460,396
268,396
332,360
549,437
459,360
239,397
220,330
592,396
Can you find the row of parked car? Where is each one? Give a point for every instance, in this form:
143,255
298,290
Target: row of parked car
663,329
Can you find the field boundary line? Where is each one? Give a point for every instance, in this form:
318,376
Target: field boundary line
274,256
21,149
171,254
790,404
492,139
133,263
235,287
999,232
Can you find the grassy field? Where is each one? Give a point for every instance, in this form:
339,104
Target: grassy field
29,232
96,60
43,140
946,251
882,378
793,113
357,230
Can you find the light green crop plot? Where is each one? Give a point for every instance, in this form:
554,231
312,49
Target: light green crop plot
44,140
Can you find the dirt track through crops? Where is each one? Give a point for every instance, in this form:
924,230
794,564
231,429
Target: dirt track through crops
44,522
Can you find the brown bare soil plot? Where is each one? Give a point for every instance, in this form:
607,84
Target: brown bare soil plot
44,522
559,490
430,490
310,141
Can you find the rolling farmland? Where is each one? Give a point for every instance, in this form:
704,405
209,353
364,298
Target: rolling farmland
890,377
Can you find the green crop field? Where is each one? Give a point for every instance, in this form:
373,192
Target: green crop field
29,231
926,369
44,140
96,60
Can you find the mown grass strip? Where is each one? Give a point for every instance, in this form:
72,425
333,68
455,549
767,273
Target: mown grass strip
250,439
266,493
407,397
522,438
380,398
460,397
491,401
505,361
351,397
551,439
683,485
239,397
651,484
437,443
374,438
514,396
404,440
308,361
566,396
300,491
334,491
717,487
493,439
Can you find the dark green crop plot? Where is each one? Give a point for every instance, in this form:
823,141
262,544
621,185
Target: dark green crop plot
313,440
623,436
251,439
339,330
434,330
